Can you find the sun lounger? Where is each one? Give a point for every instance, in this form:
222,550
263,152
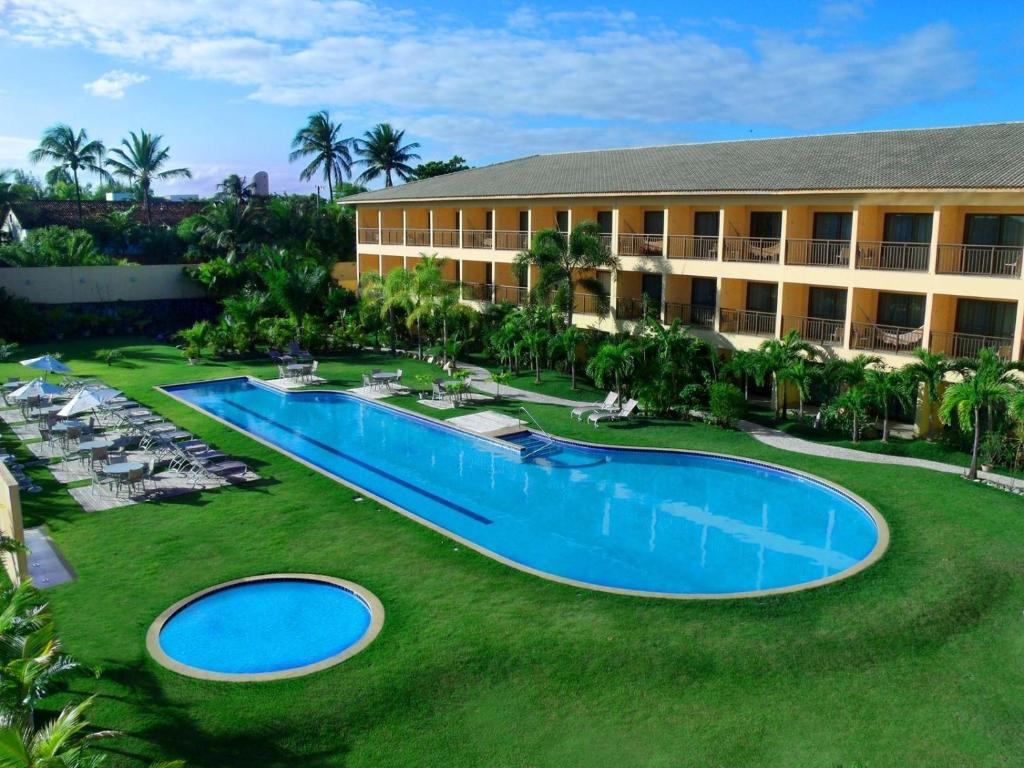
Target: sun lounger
625,413
610,404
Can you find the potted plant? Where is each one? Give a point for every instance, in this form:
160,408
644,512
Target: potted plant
992,449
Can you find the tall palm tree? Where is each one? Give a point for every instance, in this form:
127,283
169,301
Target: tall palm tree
802,375
320,140
71,151
745,364
929,371
296,290
983,389
381,152
612,359
780,354
140,160
886,388
236,186
567,343
853,402
229,228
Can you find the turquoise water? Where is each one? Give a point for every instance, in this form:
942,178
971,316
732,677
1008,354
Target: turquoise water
652,521
265,626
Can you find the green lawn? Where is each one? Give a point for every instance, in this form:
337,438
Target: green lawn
915,662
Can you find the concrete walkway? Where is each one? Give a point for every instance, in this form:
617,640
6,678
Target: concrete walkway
778,439
483,382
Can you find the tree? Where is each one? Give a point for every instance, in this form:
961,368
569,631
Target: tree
196,338
65,742
886,388
613,359
930,372
559,259
72,152
438,168
779,355
534,341
296,290
243,313
802,376
140,160
726,403
330,155
745,364
33,664
381,152
237,187
568,343
852,404
229,228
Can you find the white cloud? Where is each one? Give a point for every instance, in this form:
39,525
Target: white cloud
111,85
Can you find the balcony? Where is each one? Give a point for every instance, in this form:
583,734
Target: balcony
392,236
629,309
819,330
747,322
891,339
899,257
369,235
690,314
700,247
970,344
511,294
641,245
478,292
986,260
417,237
477,238
818,253
511,240
588,304
761,250
446,238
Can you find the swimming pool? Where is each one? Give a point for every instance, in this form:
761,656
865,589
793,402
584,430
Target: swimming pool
266,627
653,522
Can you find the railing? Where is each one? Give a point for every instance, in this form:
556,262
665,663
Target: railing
392,236
478,292
631,309
476,238
587,303
417,237
511,240
764,250
641,245
690,314
993,260
510,294
816,329
744,321
369,235
702,247
903,257
818,253
543,443
893,339
446,238
606,240
970,344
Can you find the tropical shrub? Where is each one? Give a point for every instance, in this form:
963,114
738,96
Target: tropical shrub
726,403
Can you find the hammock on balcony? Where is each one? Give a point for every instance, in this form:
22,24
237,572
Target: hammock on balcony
901,339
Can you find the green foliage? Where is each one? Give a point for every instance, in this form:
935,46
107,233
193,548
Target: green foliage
726,403
7,349
55,247
381,153
433,168
109,356
196,338
141,160
319,140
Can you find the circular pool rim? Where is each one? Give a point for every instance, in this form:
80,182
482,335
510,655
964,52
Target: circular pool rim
373,605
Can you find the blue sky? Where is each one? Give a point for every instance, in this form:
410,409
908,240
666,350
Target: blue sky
228,84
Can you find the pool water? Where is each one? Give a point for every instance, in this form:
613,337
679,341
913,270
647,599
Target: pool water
265,626
661,522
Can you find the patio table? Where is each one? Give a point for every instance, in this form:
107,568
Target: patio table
384,377
46,410
63,426
10,386
89,445
116,470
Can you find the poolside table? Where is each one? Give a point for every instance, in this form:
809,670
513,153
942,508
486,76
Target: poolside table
10,386
63,426
384,377
89,445
124,468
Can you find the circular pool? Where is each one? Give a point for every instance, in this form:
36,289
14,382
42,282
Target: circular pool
266,627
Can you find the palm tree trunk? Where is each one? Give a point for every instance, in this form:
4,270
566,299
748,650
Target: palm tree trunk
536,358
572,371
145,200
571,289
618,385
972,474
856,432
800,409
387,178
746,387
775,395
444,335
419,340
78,194
885,422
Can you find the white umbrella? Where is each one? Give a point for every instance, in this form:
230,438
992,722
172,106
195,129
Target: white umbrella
87,399
47,363
35,388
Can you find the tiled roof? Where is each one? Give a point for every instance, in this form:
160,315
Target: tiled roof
33,214
968,157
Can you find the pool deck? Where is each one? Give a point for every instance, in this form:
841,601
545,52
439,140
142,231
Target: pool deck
488,423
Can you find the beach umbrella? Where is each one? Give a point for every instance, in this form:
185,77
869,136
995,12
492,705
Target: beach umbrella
87,399
35,388
47,363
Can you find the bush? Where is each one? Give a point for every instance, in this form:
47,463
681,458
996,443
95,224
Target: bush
727,403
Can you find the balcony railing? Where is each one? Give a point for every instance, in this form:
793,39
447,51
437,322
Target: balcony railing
894,339
478,292
641,245
764,250
902,257
476,238
511,294
818,253
511,240
690,314
587,304
630,309
970,344
392,236
744,321
369,235
829,333
702,247
992,260
446,238
417,237
606,240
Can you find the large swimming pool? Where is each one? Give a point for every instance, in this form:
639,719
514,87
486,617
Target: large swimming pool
665,523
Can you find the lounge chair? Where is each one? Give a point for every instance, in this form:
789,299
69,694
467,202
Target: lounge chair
610,404
625,413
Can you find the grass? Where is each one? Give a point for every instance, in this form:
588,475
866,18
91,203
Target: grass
912,663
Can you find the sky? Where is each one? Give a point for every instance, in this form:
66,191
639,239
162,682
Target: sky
228,84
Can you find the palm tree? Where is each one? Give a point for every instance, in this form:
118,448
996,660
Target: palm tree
612,359
34,663
745,364
140,160
981,390
802,376
568,343
560,258
296,290
381,152
196,337
854,403
243,313
320,140
780,354
64,742
930,372
886,388
236,186
72,152
229,228
534,341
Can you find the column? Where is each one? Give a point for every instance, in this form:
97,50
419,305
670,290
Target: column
854,223
430,226
721,234
783,232
933,248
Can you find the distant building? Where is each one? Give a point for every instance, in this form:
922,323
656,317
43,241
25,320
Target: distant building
261,184
20,218
182,198
120,197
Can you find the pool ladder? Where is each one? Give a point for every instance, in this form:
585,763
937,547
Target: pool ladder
543,443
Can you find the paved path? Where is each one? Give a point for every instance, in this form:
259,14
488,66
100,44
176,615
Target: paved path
482,381
779,439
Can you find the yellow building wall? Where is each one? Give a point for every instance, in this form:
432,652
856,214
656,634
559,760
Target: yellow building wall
11,525
678,289
732,294
474,271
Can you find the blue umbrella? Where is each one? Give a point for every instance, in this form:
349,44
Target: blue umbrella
35,388
47,363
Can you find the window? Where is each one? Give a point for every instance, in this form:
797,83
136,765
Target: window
458,219
654,222
562,221
604,222
605,278
524,221
905,310
705,223
762,297
994,229
833,226
488,273
985,318
651,287
489,221
908,227
766,224
703,292
827,303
